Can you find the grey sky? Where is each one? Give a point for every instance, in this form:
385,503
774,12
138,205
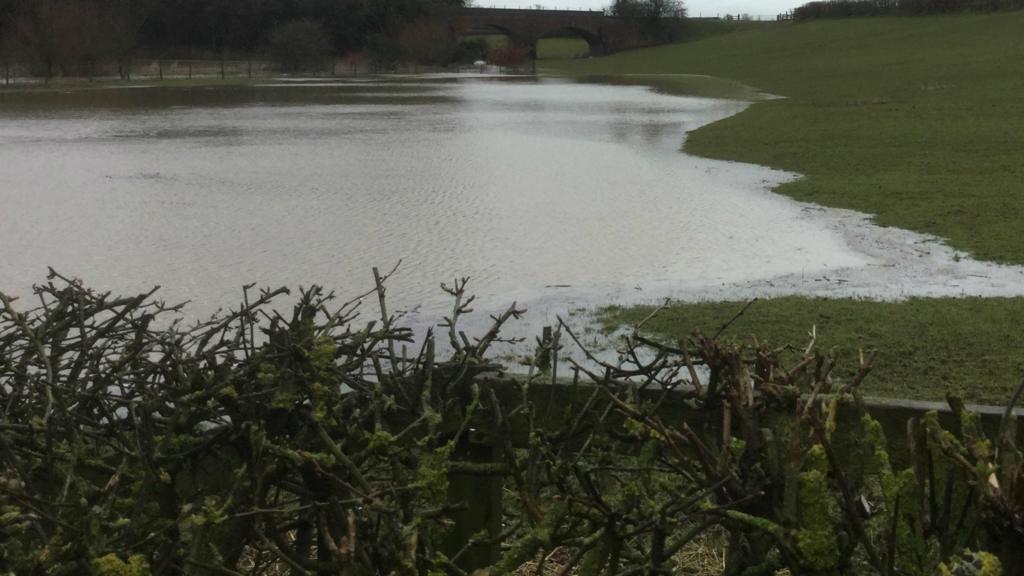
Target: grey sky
695,7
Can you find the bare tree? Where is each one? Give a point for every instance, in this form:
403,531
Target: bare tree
121,23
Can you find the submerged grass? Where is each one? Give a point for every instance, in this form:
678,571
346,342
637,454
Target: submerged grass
915,120
971,347
688,84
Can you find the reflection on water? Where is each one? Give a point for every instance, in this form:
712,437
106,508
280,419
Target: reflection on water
533,189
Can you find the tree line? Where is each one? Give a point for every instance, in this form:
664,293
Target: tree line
71,35
658,18
855,8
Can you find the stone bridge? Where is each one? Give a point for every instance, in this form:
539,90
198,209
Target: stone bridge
524,27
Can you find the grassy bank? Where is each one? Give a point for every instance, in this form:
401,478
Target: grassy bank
973,347
916,120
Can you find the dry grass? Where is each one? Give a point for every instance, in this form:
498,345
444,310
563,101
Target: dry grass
704,556
263,563
551,565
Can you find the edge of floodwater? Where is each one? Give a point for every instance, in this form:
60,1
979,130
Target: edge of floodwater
687,85
903,263
860,234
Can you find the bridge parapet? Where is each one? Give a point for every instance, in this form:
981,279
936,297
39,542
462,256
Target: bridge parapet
525,27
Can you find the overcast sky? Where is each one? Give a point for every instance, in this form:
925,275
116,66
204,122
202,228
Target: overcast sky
695,7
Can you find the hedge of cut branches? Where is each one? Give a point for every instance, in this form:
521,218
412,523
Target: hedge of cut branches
323,442
254,440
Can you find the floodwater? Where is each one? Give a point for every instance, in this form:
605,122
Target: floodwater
550,193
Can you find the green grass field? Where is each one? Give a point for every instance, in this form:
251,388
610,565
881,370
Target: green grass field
548,48
972,347
919,121
701,28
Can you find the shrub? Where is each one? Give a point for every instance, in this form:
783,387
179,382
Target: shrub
299,46
316,442
509,56
471,50
384,52
426,42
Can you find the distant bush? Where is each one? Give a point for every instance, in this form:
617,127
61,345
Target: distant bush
68,37
509,56
299,45
471,50
660,20
426,42
856,8
384,51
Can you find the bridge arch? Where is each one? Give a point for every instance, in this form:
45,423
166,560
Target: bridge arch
594,41
524,27
530,38
512,36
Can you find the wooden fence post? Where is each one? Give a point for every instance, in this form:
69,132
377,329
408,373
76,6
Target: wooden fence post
475,483
544,358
